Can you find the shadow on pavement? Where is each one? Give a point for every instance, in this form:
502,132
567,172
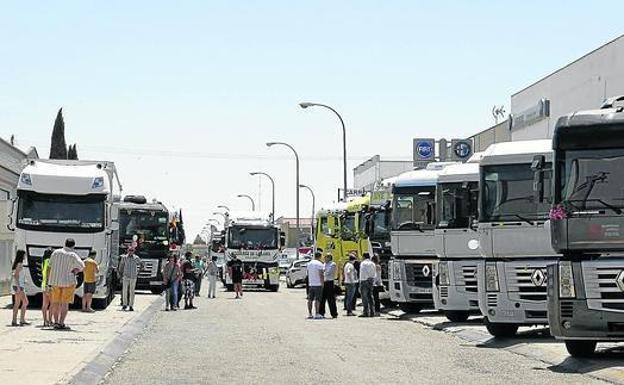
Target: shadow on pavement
541,335
612,357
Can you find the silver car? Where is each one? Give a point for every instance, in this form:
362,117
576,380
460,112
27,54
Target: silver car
297,273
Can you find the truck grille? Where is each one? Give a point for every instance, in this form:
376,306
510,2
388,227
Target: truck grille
527,282
35,268
418,274
601,287
469,278
566,309
149,270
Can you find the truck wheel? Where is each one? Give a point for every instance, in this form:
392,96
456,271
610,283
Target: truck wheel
410,308
274,288
580,348
456,315
156,290
229,287
289,284
501,330
388,304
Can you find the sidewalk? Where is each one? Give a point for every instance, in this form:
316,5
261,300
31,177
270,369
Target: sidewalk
31,355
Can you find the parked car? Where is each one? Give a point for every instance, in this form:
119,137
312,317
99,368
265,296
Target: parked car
297,273
286,258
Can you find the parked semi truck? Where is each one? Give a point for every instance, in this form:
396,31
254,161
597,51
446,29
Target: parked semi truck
586,287
457,241
146,226
256,241
412,237
514,237
60,199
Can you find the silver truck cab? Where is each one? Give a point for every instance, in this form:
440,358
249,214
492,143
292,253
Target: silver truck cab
586,287
514,237
457,241
412,237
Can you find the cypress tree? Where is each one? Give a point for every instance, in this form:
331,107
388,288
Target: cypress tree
72,152
58,147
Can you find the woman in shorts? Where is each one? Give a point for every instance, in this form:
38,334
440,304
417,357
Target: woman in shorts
17,285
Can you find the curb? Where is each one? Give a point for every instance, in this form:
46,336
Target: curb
96,370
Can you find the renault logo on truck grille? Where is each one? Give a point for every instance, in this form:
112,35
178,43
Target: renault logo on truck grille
619,280
426,271
538,277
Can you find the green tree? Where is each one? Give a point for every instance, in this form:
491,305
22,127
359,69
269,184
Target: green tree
72,152
58,147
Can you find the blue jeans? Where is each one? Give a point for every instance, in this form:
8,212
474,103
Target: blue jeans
366,291
172,295
351,287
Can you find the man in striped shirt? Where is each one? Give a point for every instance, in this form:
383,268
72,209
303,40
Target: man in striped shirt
129,266
63,266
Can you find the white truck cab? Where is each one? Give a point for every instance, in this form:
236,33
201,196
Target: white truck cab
514,237
60,199
412,237
457,241
256,241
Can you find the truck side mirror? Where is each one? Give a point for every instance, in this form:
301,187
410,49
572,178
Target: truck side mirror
538,178
282,239
114,226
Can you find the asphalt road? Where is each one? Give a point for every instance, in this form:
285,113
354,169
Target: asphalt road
265,339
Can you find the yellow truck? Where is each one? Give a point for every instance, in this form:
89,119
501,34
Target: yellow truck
340,230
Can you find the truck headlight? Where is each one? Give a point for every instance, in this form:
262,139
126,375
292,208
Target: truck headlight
396,271
98,182
443,273
491,277
566,280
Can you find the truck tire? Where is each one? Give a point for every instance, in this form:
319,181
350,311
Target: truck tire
410,307
456,315
580,348
289,284
229,287
156,290
388,304
501,330
274,288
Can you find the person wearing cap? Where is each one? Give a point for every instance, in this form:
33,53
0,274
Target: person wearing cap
350,281
129,265
90,272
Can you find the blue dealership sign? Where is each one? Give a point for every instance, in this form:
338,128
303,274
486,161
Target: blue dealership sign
424,149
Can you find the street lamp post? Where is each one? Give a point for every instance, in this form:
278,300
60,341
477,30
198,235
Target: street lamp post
269,144
253,204
272,189
220,213
344,142
313,209
223,207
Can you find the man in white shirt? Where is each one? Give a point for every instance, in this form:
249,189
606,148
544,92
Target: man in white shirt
316,278
367,277
329,291
350,282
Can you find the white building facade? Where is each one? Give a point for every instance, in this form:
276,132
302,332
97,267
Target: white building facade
375,170
582,84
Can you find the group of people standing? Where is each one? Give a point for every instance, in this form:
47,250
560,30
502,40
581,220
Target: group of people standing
182,278
363,276
59,270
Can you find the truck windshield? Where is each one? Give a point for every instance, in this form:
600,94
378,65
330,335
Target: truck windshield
250,238
380,220
592,178
148,226
60,213
414,209
508,193
348,225
457,204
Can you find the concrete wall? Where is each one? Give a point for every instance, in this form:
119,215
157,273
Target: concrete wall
583,84
495,134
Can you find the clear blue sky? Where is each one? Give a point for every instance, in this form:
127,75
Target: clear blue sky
183,97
